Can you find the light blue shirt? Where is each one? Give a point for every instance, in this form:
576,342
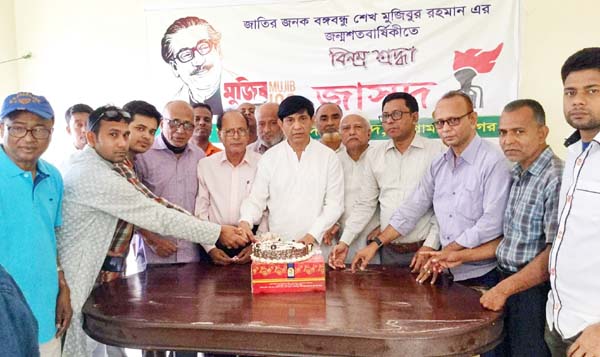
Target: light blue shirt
29,212
468,194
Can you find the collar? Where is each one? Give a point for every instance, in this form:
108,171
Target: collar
470,153
159,144
417,142
11,169
538,166
223,158
308,147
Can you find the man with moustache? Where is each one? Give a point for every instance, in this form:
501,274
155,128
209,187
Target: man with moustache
353,155
573,308
192,48
392,171
299,181
203,128
530,226
327,121
31,196
96,198
268,129
248,110
467,186
225,180
168,169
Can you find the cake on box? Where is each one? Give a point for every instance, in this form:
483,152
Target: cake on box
285,267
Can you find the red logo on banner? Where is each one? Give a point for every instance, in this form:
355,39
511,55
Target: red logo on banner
469,64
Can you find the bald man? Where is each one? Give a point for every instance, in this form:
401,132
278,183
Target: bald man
248,110
269,131
355,131
168,169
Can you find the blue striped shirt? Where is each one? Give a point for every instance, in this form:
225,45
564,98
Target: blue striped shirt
531,217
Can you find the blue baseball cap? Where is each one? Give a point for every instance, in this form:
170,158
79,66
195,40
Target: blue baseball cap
35,104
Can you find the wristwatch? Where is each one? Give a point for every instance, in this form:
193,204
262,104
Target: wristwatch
378,241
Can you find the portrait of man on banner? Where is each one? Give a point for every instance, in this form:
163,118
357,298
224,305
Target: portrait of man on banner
192,48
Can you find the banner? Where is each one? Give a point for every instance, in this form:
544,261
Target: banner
349,53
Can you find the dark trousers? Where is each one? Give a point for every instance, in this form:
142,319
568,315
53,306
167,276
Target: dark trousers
524,322
557,345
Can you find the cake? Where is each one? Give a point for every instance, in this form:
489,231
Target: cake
269,248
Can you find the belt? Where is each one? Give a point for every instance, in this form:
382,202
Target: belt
114,264
404,248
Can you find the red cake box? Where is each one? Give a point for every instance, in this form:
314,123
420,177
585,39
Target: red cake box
302,276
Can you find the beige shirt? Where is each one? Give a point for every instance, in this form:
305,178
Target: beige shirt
353,174
389,178
222,187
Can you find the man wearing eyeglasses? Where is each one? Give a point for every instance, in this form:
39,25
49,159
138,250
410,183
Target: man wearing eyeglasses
392,172
225,180
191,46
31,193
168,169
467,187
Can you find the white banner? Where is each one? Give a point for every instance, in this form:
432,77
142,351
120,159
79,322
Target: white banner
352,53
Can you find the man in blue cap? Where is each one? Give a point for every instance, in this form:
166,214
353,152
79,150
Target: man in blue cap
31,193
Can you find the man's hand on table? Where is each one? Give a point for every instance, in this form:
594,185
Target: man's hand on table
244,256
219,257
364,256
419,259
337,256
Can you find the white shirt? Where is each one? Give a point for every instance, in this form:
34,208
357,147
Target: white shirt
353,174
95,198
389,178
574,301
302,196
222,187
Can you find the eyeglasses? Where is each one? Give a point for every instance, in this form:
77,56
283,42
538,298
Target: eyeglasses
395,115
203,47
21,131
230,133
439,124
110,114
176,124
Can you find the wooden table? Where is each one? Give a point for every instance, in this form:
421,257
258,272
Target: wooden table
379,312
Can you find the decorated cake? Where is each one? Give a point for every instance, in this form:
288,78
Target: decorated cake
269,248
285,267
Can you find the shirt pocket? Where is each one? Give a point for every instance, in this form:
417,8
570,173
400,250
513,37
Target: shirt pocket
469,202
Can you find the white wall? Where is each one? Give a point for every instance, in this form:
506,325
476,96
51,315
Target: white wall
8,48
94,51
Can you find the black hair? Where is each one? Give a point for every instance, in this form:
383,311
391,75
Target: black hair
202,105
220,118
295,104
587,58
101,114
143,108
410,101
538,111
77,108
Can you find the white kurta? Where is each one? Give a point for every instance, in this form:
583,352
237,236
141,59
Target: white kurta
302,196
95,198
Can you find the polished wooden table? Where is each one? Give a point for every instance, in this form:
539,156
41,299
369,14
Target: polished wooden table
379,312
